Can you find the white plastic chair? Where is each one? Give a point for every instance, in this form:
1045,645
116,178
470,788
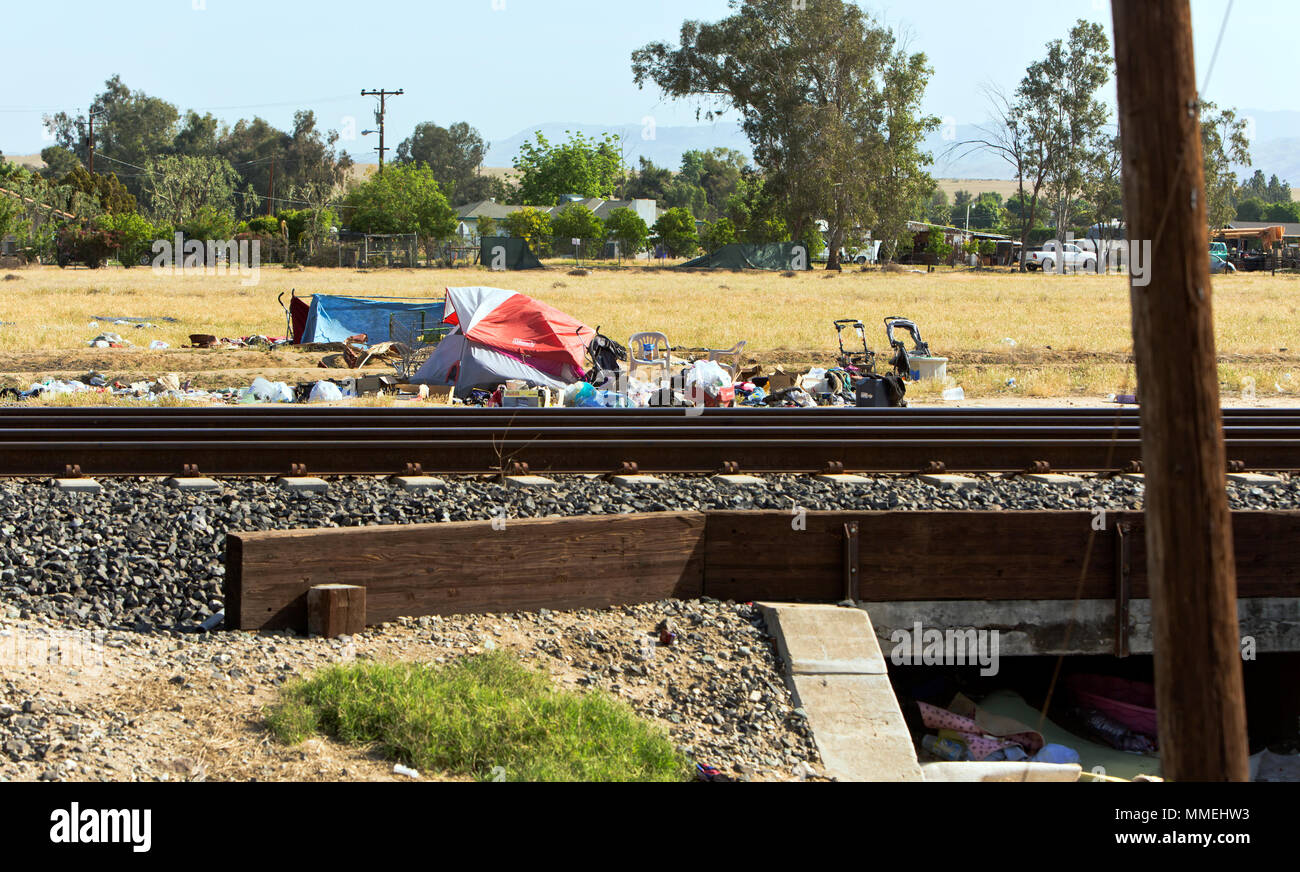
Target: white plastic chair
649,349
732,353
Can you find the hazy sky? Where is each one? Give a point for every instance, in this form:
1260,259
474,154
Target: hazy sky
505,64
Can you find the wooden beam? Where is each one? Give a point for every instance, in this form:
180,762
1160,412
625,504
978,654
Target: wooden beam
1188,529
987,556
593,562
336,610
466,567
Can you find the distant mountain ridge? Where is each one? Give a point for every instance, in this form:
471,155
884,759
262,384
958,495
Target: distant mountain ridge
1275,148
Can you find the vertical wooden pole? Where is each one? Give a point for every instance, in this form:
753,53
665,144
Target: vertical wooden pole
1189,535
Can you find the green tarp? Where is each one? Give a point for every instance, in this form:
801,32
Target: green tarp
506,252
775,256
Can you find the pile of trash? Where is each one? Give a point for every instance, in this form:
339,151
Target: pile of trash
1105,721
164,386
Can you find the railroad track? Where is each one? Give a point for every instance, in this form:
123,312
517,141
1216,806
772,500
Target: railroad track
42,441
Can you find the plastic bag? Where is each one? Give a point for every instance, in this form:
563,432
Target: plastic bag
263,391
324,392
707,373
580,394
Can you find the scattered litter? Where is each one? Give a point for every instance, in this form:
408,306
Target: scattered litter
122,319
263,391
951,395
325,392
213,621
399,769
1009,342
158,345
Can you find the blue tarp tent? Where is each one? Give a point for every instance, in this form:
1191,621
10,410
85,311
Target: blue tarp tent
334,319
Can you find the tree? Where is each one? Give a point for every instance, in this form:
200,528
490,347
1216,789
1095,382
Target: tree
1283,213
404,198
1051,133
650,182
675,230
1251,209
754,210
111,195
582,166
824,93
531,225
717,234
1067,82
715,174
131,128
302,159
58,161
455,155
629,230
177,187
486,227
1223,143
576,221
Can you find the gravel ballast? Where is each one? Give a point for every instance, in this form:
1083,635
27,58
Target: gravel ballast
141,555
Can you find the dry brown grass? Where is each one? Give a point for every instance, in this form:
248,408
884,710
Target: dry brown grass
1071,333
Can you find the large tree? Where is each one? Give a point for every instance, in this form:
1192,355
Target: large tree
131,128
1063,88
548,172
828,101
1223,143
178,188
455,154
404,198
1051,131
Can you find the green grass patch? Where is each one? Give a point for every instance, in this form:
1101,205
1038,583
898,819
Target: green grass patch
476,714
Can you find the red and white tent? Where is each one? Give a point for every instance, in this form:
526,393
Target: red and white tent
503,335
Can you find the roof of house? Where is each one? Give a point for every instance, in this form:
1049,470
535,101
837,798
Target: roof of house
492,209
1289,229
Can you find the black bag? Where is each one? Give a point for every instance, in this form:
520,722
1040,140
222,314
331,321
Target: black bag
881,391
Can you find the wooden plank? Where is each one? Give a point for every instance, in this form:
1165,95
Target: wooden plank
905,556
467,566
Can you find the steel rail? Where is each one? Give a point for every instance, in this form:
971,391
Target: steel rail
38,441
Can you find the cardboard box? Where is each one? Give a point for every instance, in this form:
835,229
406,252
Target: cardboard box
527,398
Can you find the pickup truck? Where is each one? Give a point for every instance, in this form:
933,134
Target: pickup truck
1070,256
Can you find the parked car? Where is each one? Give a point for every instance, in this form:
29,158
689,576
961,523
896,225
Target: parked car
1219,264
1069,256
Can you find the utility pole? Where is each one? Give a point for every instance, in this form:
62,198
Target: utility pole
1199,689
90,140
382,94
270,191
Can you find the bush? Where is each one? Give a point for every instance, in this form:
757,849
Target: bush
89,245
136,235
475,715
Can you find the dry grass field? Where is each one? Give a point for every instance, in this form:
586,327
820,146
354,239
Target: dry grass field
1071,333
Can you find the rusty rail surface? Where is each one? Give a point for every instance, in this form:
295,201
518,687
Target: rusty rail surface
44,442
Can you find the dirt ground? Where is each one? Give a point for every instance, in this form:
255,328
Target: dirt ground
123,706
1008,337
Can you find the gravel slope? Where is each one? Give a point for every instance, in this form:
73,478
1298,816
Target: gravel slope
142,556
